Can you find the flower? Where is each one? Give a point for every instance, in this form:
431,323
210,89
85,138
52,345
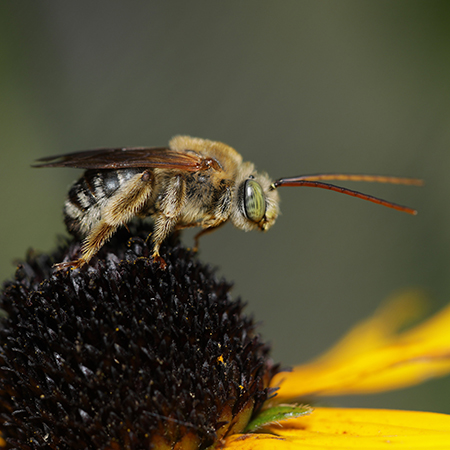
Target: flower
123,355
373,357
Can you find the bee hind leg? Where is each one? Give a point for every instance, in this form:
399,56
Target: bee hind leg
158,259
101,233
68,265
91,245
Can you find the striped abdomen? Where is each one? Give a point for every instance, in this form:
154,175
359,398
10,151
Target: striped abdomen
88,196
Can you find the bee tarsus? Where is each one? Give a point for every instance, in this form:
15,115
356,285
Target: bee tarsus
157,259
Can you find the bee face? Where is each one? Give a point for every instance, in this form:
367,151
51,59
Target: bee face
256,203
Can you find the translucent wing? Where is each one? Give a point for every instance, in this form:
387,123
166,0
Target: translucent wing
121,158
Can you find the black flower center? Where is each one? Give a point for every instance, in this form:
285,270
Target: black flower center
123,355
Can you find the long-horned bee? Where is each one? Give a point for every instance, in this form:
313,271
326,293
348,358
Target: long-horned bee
191,183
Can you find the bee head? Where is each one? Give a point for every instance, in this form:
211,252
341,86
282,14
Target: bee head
255,202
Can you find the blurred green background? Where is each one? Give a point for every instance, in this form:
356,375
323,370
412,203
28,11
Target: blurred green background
297,87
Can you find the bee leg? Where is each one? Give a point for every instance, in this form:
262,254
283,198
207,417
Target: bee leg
170,207
91,245
66,265
101,233
163,227
158,259
125,205
122,207
204,232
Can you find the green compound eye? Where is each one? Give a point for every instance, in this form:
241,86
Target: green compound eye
254,201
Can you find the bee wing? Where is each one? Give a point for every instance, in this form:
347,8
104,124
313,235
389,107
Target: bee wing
121,158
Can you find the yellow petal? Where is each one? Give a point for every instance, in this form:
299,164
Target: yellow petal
380,328
375,357
336,428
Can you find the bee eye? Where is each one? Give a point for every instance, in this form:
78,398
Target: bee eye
254,201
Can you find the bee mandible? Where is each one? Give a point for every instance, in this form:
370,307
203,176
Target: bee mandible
191,183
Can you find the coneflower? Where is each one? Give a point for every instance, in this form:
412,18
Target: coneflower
123,355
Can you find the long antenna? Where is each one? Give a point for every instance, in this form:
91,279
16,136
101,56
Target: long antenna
313,181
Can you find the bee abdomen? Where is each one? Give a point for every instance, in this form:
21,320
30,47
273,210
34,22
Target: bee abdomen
81,196
88,195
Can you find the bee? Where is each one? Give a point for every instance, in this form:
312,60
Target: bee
191,183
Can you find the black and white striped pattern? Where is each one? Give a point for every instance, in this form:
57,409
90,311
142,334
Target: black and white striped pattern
88,195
